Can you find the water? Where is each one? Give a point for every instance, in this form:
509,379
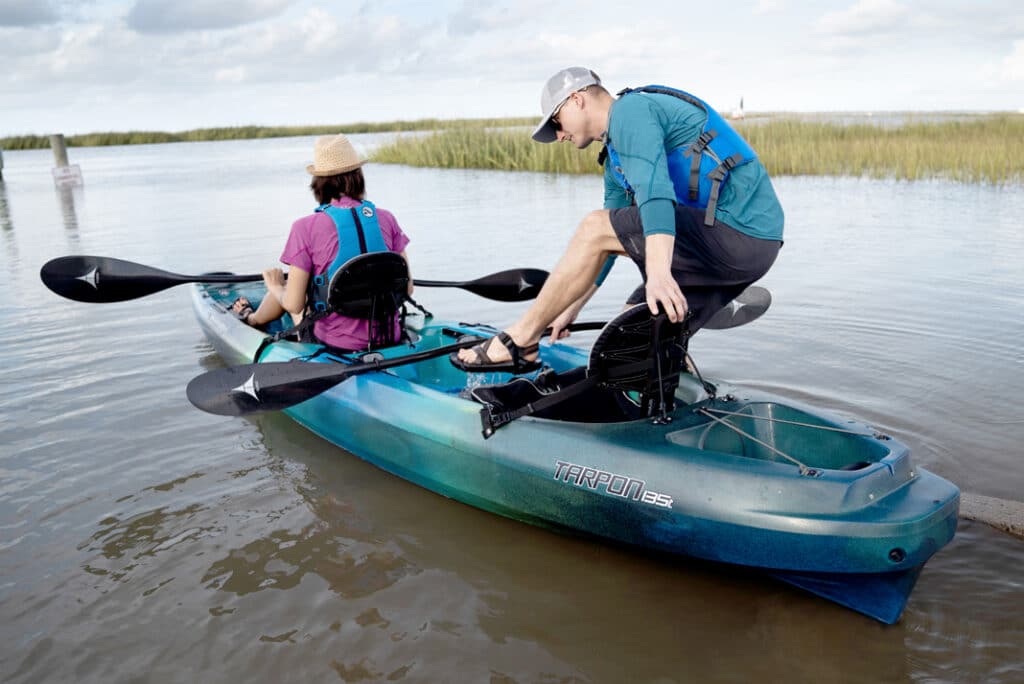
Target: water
143,540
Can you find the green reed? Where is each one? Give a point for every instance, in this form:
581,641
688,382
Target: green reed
987,148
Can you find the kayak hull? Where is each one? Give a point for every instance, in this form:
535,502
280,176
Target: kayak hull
689,487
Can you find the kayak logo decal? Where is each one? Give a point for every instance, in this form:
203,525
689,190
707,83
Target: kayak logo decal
596,480
523,285
92,277
250,387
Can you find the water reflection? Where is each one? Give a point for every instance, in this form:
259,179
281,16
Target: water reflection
67,197
7,228
123,542
351,562
5,213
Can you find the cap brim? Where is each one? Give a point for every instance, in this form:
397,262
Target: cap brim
545,132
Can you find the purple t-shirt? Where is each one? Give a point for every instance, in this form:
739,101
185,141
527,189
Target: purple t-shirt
312,246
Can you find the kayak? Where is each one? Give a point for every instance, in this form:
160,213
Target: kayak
728,475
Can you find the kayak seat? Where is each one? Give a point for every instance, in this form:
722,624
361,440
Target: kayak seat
643,355
595,405
632,373
370,286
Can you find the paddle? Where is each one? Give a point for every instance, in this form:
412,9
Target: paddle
257,387
516,285
748,306
104,279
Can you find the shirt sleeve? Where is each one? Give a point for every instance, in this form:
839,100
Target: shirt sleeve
394,237
297,250
638,134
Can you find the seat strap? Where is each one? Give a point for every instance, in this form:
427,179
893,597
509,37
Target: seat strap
491,420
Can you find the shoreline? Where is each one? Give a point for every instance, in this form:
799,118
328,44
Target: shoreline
959,146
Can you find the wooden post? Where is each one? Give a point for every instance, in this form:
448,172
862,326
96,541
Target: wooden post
1,163
64,174
60,152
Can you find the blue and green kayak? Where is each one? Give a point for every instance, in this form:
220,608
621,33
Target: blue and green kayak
736,476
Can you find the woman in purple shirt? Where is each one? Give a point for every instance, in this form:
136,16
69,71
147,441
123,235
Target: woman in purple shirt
313,244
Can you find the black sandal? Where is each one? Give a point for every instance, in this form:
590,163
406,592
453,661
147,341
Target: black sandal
483,364
243,313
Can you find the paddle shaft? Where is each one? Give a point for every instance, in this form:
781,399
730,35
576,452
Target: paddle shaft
99,279
748,306
273,386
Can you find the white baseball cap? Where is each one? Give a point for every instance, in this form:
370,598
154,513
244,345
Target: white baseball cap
556,91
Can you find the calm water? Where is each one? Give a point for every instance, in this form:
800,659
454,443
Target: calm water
143,540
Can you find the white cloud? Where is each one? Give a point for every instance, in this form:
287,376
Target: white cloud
769,6
230,75
23,44
1012,67
27,12
299,61
80,50
161,16
866,17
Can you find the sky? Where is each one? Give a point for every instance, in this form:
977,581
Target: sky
78,66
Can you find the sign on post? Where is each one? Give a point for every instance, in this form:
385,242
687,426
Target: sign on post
67,176
64,175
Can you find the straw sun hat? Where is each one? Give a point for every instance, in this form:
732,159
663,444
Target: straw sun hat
333,154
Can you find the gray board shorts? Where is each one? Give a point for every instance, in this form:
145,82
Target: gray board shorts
712,264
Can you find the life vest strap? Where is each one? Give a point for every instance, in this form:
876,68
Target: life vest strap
695,151
718,175
359,232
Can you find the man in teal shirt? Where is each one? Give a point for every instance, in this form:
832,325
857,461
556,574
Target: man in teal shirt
697,244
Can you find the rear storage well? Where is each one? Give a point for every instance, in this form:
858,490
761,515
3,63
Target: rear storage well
762,430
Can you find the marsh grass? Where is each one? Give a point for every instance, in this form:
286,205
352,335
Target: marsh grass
35,142
970,148
987,148
508,149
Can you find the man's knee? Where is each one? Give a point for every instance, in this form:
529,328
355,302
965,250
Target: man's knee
596,231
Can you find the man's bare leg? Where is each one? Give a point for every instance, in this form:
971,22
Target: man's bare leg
575,272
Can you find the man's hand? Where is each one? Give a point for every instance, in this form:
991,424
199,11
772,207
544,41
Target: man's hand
662,288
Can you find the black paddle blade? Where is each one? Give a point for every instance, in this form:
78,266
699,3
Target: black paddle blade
750,305
99,279
103,279
257,387
513,285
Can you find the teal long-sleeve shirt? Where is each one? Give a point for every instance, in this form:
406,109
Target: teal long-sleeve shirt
643,128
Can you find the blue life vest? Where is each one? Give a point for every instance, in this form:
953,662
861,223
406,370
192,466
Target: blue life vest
697,169
358,233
